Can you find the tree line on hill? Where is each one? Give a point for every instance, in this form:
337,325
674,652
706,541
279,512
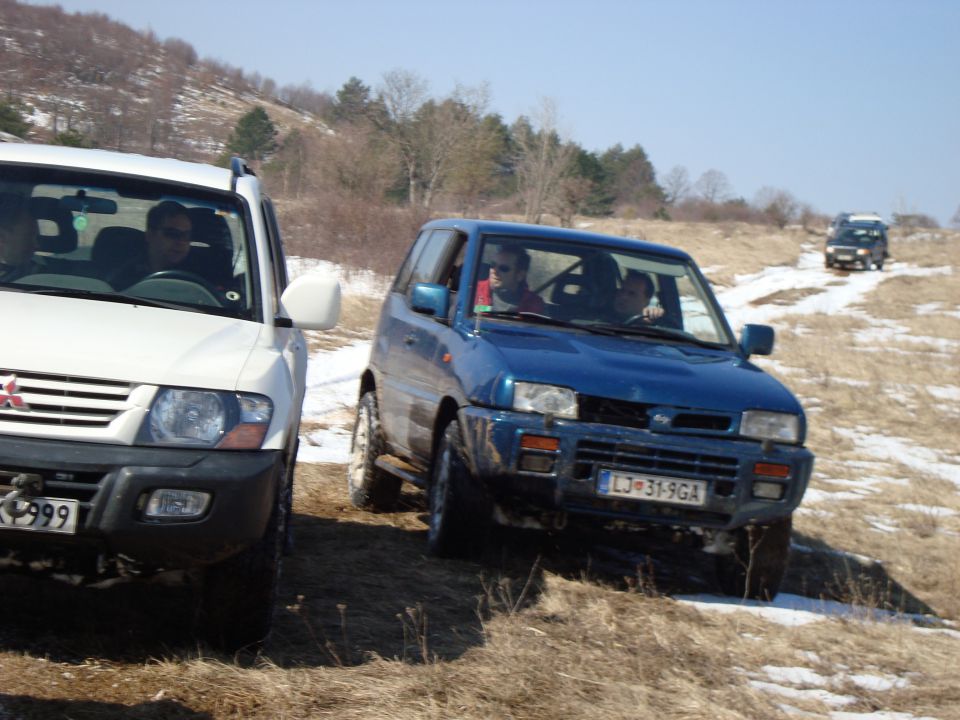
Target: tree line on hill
369,157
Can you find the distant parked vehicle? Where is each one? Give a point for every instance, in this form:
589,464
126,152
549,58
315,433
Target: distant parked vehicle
860,243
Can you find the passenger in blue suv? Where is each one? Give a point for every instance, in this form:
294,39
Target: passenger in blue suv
505,289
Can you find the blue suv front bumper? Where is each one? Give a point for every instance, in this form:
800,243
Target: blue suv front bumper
501,443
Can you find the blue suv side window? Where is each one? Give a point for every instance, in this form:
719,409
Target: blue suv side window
427,266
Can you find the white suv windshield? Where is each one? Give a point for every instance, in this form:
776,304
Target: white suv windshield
595,287
116,238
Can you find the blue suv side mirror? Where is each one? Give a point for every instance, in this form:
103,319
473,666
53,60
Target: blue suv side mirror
430,299
756,340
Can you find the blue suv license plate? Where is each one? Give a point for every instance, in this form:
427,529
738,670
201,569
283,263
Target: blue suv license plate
652,488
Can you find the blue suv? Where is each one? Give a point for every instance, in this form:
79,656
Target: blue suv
540,377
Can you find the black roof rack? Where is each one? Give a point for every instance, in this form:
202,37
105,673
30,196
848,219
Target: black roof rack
238,168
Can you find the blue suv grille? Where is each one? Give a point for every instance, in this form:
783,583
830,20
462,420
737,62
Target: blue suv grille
659,461
687,421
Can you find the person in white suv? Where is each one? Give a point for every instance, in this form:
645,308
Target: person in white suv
18,236
167,244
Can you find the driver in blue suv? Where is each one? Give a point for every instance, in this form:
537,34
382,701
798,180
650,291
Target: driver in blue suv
167,244
631,303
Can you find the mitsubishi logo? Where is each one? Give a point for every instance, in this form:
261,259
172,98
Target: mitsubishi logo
8,394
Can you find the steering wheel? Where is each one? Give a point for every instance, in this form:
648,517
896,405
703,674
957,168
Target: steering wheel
639,317
182,275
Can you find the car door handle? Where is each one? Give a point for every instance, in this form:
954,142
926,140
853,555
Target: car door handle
409,339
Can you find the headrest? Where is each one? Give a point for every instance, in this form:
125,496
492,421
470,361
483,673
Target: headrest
56,233
116,243
209,228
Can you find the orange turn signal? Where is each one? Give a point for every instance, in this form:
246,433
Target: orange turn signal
771,470
538,442
245,436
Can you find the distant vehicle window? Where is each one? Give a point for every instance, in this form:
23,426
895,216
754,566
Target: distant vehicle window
858,234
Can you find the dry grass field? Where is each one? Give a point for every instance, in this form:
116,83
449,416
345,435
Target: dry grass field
369,626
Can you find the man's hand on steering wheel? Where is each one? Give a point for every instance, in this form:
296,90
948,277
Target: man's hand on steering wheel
649,315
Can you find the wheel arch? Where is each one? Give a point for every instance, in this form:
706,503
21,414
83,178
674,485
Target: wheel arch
446,412
367,383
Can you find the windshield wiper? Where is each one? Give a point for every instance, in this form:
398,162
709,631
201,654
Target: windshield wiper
546,320
661,332
110,297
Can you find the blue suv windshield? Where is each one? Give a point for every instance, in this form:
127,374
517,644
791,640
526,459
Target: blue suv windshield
595,287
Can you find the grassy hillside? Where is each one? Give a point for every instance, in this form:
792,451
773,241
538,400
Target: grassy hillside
369,626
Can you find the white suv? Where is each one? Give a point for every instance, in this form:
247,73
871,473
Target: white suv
152,371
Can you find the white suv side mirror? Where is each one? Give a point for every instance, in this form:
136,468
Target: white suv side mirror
312,302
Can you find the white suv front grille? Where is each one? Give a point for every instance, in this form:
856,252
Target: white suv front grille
41,399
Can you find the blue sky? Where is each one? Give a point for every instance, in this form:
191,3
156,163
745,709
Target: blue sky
849,104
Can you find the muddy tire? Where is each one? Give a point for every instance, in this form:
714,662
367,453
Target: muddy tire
369,487
239,594
459,513
286,499
755,569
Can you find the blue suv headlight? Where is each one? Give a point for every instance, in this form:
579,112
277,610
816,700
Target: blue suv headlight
540,398
765,425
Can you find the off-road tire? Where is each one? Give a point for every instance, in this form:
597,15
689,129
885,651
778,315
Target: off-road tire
755,568
369,487
287,498
459,511
239,593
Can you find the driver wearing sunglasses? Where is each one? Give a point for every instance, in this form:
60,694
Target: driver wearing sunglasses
167,244
505,289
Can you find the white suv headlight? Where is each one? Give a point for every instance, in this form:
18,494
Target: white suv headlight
765,425
204,418
538,398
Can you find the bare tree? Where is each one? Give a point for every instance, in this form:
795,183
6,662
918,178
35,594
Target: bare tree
676,185
476,167
402,93
778,205
713,187
444,130
955,220
542,159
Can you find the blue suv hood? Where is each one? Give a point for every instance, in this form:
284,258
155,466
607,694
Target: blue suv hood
634,369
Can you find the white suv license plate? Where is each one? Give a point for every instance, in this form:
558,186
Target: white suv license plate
652,488
51,515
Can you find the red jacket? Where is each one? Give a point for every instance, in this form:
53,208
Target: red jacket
529,301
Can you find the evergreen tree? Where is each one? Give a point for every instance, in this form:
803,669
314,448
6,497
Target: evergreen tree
352,101
254,136
598,200
72,138
12,120
631,177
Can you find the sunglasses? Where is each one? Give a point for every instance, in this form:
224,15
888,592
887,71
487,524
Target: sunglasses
172,233
502,269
